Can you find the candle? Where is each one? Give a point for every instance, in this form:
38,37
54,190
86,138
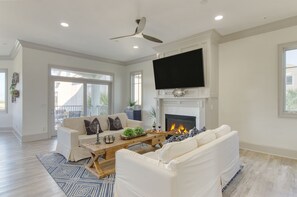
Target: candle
97,128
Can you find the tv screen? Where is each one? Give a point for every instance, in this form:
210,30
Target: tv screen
184,70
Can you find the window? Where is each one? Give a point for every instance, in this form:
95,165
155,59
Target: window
3,90
289,80
136,87
287,84
80,74
75,93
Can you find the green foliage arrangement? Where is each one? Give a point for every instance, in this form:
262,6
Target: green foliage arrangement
139,131
133,132
129,132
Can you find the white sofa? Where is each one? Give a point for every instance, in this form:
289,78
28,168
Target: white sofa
196,167
73,133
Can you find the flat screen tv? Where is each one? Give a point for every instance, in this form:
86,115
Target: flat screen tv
184,70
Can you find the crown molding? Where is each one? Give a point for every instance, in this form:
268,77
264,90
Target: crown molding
68,52
5,57
142,59
281,24
200,37
216,37
14,51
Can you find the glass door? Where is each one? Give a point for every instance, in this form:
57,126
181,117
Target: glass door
98,99
69,101
75,93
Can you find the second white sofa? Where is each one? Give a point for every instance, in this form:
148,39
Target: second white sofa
196,167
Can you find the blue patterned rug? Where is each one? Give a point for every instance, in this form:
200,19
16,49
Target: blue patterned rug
74,179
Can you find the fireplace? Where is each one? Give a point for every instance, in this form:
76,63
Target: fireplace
179,123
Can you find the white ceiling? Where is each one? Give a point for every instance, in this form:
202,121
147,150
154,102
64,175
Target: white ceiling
93,22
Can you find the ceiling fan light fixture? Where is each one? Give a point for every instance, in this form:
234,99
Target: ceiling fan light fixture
63,24
138,32
219,17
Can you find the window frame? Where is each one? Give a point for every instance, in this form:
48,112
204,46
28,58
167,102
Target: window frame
282,48
5,71
132,74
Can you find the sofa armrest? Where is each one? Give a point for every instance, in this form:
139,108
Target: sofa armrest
138,175
68,137
134,123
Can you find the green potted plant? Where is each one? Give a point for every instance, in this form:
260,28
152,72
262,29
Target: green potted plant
153,116
131,104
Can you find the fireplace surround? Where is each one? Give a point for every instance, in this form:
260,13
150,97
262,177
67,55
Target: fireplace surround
180,123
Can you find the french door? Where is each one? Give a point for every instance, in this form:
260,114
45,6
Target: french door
75,97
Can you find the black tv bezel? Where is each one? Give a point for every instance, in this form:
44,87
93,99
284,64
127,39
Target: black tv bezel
180,54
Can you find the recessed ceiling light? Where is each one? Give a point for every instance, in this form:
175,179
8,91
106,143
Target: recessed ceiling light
135,47
63,24
218,17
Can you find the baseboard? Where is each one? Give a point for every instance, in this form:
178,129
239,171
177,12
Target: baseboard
6,129
292,154
30,138
35,137
17,135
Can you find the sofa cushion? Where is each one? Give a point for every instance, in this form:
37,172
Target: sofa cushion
175,149
91,127
76,124
205,137
153,154
115,124
86,139
222,130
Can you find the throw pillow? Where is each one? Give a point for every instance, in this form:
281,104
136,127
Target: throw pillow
196,131
222,130
192,133
115,124
91,127
173,150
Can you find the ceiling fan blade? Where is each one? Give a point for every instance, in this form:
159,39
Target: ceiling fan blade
121,37
152,38
141,23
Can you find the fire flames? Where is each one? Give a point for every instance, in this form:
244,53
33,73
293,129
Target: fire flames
178,129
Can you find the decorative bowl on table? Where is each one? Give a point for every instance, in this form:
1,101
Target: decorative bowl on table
130,133
109,139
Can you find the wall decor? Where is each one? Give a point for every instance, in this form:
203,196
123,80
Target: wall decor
14,93
15,78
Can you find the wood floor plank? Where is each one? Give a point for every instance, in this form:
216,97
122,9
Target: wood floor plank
21,173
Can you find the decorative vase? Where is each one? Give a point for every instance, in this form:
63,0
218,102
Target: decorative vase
178,92
97,133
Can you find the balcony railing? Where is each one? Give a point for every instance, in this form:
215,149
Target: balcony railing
72,111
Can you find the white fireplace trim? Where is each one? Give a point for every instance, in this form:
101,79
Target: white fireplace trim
181,106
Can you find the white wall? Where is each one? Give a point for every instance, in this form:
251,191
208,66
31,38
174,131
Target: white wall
6,117
17,107
35,89
248,90
149,92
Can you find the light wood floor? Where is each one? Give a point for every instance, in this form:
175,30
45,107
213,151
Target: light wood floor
21,174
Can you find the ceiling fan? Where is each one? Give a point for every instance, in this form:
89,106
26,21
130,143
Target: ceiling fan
138,32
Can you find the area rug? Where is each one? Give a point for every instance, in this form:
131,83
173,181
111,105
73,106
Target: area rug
74,179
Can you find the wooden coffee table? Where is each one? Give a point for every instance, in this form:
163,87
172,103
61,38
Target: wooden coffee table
107,151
